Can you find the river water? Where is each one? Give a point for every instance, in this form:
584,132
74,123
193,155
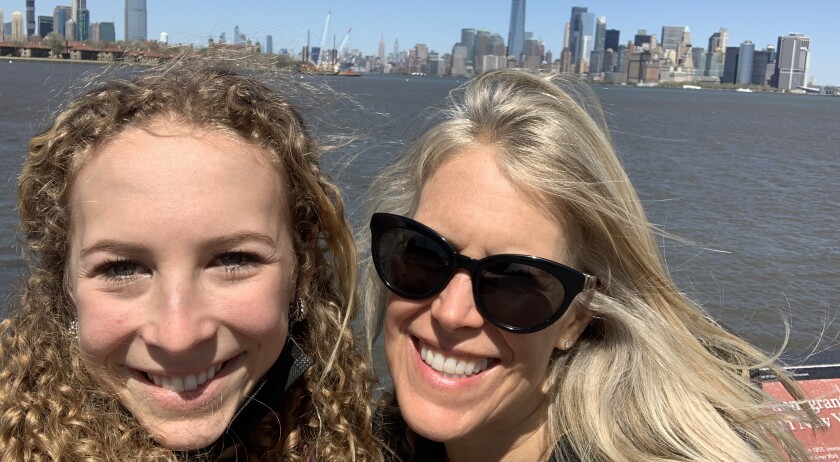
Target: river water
749,179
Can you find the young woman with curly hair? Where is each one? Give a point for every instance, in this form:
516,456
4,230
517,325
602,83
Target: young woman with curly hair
192,282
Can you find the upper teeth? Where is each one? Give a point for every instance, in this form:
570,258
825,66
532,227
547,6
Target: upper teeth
450,366
187,382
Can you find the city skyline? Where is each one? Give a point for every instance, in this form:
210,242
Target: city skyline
438,24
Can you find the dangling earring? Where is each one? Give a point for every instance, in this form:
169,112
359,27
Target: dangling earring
73,328
567,344
297,310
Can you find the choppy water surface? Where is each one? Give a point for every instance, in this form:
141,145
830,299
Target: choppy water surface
751,180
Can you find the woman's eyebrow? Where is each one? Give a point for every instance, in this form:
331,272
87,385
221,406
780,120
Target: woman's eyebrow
112,246
232,240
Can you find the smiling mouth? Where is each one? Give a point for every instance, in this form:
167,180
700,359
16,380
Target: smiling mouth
451,366
186,382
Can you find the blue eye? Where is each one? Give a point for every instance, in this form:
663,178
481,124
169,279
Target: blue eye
237,260
118,270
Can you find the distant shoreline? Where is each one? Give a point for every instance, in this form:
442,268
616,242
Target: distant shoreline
56,60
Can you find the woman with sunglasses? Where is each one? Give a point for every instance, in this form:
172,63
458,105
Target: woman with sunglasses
527,313
193,281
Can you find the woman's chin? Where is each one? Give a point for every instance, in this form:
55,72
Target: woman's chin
187,439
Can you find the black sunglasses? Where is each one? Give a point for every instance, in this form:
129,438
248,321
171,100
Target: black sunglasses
517,293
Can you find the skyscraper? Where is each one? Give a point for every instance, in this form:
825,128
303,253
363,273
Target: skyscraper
730,65
382,49
235,34
45,25
611,39
30,18
516,32
397,51
671,37
135,21
77,13
586,38
792,61
2,34
468,40
600,32
269,45
575,31
60,16
745,63
83,25
17,27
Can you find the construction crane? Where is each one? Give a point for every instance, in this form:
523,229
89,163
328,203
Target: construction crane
323,40
344,42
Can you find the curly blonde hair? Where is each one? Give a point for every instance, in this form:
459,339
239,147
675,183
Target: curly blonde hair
653,377
51,408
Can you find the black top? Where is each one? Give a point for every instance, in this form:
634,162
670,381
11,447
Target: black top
430,451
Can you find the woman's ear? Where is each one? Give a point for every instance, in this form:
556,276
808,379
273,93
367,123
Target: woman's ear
572,324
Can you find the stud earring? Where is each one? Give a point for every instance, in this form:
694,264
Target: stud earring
73,328
567,344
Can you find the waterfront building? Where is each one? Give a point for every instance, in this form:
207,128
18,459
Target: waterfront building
163,39
746,53
792,61
600,33
60,16
436,66
18,31
516,32
643,40
718,41
135,21
698,56
762,70
83,25
533,48
596,61
671,37
611,39
70,30
566,60
45,25
497,45
576,31
2,28
104,32
586,39
468,40
30,18
730,65
566,35
459,60
483,47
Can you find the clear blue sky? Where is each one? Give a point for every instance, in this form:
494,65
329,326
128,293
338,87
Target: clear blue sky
438,23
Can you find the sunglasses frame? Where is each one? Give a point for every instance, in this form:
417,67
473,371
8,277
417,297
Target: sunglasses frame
574,282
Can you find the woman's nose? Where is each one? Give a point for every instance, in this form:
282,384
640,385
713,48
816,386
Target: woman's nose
454,307
180,318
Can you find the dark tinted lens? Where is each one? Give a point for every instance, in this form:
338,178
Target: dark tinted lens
518,294
412,262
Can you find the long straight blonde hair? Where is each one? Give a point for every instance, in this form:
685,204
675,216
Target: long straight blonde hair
653,377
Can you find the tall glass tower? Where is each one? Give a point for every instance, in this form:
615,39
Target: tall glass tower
135,21
516,33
